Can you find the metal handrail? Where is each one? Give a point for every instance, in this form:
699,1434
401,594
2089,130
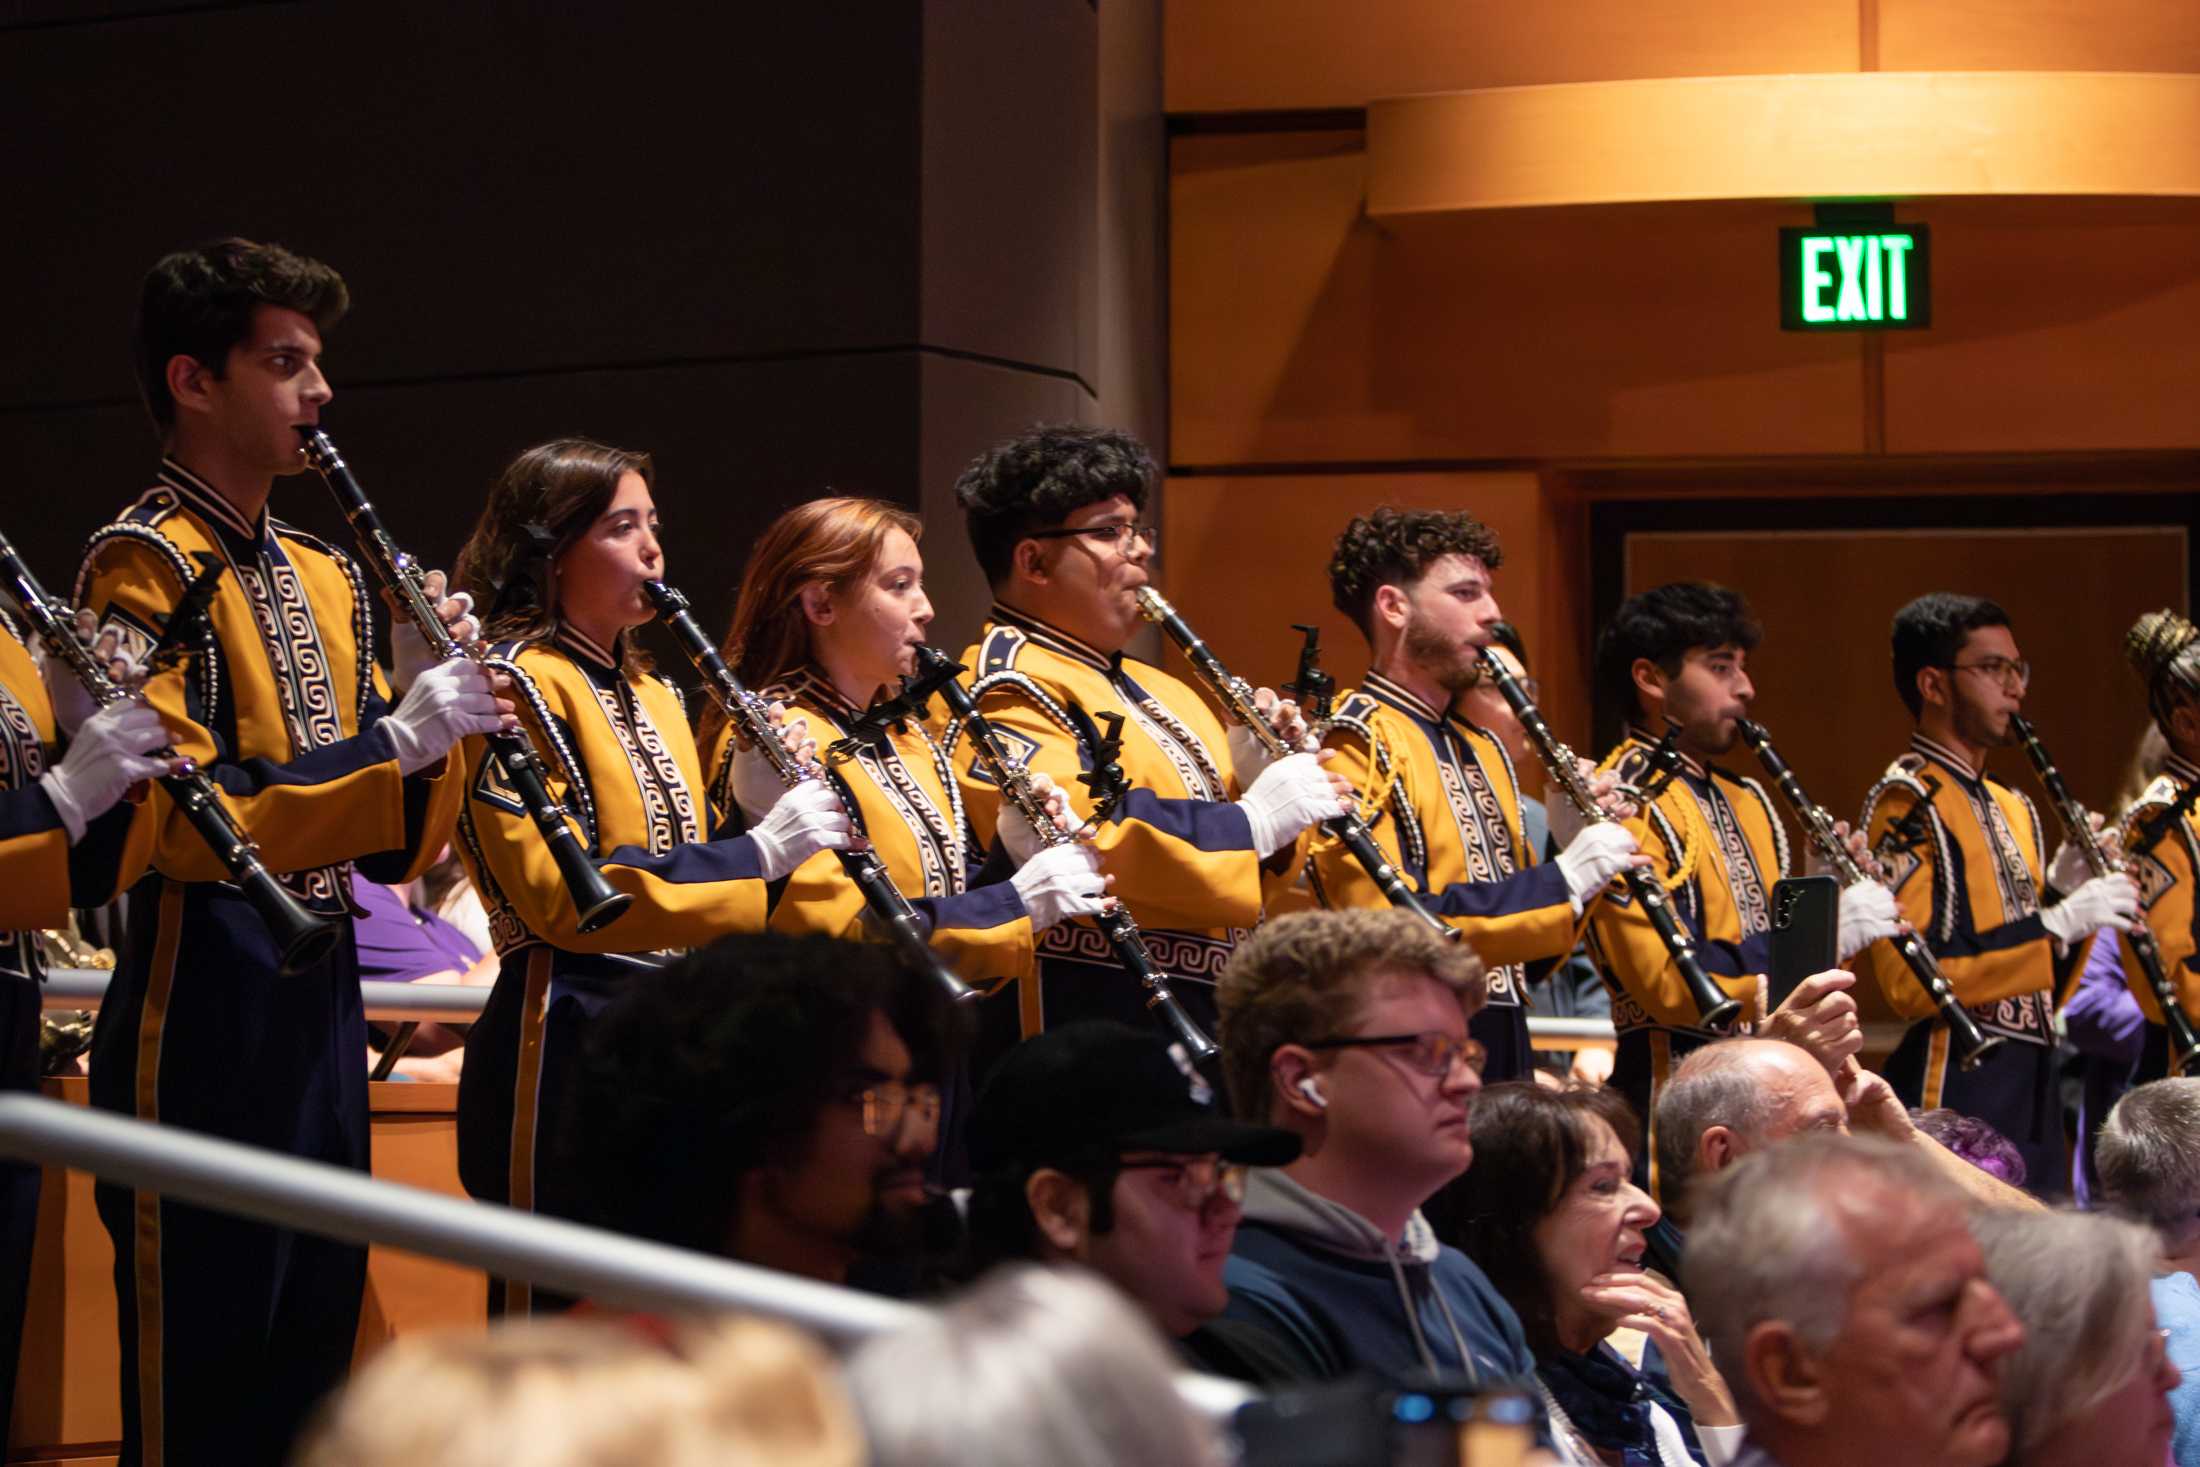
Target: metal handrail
313,1197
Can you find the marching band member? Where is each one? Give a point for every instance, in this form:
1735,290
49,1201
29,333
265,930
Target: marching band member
559,557
231,1330
1417,583
1200,842
1966,858
1678,657
2164,650
832,608
69,837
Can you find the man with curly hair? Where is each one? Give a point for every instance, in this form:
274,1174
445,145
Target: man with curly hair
1439,791
1210,829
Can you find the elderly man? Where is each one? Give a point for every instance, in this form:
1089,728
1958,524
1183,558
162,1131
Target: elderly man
2149,1159
1847,1305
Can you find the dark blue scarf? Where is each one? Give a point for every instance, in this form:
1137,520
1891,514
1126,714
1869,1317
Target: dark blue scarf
1609,1403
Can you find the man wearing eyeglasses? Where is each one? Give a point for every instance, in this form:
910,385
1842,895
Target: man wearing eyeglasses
1093,1144
1210,830
1350,1030
1967,858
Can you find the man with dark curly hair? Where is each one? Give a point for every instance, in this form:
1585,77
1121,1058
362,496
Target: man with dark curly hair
1676,658
1210,830
1440,792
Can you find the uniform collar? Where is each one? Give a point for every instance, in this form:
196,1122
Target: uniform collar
1054,639
1940,753
809,684
205,501
1388,690
2183,770
584,648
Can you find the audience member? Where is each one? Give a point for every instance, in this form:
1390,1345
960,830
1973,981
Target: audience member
2090,1386
1032,1366
1553,1216
1974,1141
1350,1029
2149,1158
1847,1305
1093,1145
768,1098
569,1393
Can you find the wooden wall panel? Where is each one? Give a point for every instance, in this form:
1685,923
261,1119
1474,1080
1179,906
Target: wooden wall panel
1827,599
1301,332
2056,327
2047,35
1244,558
1232,55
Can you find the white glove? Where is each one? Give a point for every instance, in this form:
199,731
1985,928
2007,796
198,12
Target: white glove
72,705
1016,833
808,818
1290,795
1594,857
1248,755
1868,913
411,650
756,782
1060,882
2105,901
445,703
2069,870
105,758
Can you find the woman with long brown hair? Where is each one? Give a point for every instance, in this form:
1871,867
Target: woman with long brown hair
832,609
558,561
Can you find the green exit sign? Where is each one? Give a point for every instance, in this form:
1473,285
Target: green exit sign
1857,278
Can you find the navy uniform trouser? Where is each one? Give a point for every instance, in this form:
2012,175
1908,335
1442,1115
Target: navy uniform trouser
2013,1088
231,1330
19,1016
1068,990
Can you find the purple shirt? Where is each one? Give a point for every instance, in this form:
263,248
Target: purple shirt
2103,1022
403,944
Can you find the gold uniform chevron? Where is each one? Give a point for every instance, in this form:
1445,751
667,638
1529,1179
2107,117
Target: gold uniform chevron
909,806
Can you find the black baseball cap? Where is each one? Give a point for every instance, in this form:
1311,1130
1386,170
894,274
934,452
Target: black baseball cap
1097,1086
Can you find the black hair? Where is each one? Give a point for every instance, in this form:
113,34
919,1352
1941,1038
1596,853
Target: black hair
1507,636
1530,1145
1930,631
1663,625
198,303
1038,479
699,1073
1001,1225
1395,547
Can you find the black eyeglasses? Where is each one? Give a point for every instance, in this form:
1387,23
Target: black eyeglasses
2009,672
1199,1178
1432,1052
1117,536
886,1105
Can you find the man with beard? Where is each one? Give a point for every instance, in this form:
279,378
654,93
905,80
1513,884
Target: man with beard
1677,658
1966,858
770,1099
1418,585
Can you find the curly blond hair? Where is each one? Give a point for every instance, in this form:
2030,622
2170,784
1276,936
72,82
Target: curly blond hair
1303,977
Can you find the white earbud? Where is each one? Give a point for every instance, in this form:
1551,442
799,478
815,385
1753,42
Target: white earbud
1313,1092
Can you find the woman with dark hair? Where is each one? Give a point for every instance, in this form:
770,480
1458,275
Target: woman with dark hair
1551,1214
831,612
558,561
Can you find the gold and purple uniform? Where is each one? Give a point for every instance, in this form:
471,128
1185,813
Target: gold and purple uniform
1179,848
908,805
1724,906
231,1330
618,754
41,877
1964,854
2164,869
1446,810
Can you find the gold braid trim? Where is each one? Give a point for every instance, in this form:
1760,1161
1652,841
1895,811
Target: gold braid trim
1694,832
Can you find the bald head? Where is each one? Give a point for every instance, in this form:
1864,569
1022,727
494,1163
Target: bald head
1732,1097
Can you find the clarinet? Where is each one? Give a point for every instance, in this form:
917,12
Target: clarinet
1971,1043
1115,922
596,903
1237,696
2184,1042
751,719
1718,1009
303,938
